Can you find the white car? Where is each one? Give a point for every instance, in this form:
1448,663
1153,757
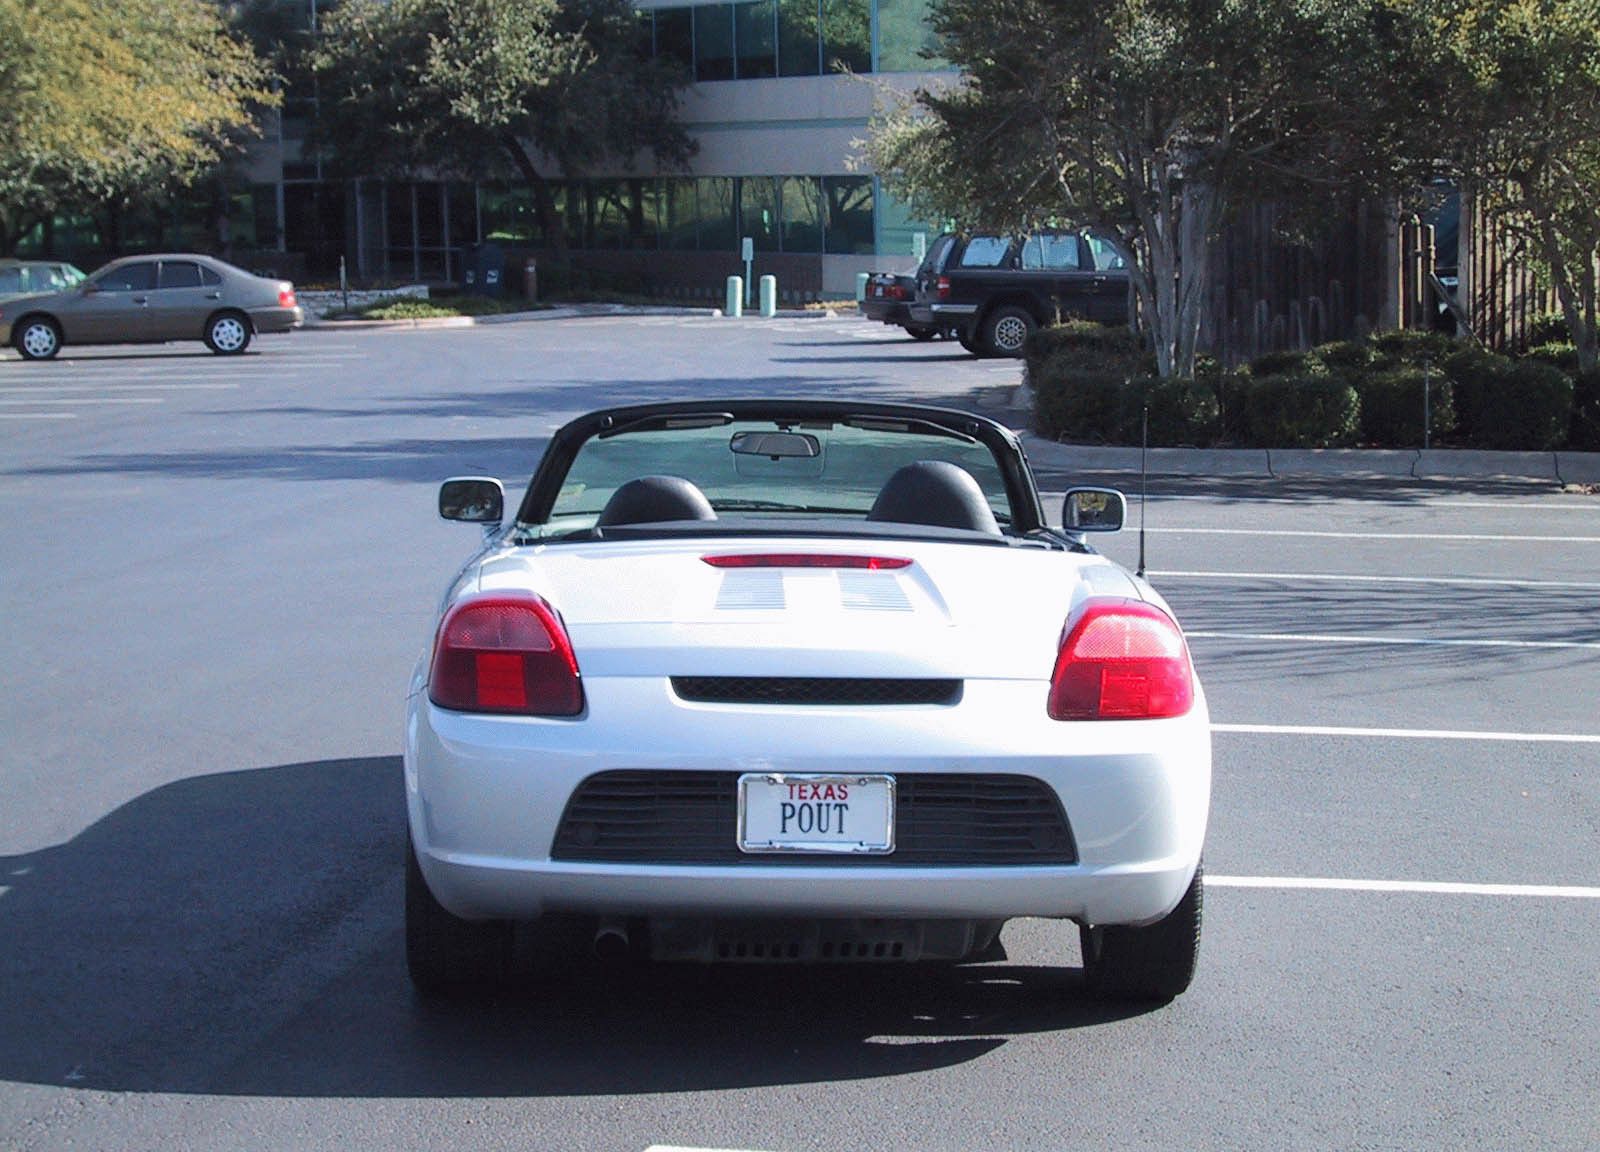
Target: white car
800,681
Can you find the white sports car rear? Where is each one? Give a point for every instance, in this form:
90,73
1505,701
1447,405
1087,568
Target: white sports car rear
801,681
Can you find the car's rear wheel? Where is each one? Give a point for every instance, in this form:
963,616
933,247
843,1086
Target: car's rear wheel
443,951
1007,329
968,342
228,333
1155,962
918,332
37,337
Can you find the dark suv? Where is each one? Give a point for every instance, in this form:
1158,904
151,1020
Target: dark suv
992,290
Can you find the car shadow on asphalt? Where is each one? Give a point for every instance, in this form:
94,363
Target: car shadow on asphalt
240,933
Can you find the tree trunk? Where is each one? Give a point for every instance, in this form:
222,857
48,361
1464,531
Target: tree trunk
544,205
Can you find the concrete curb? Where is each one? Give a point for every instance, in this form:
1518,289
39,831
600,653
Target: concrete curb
565,312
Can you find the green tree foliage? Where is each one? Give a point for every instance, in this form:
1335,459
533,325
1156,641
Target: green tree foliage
103,100
547,87
1525,106
1149,120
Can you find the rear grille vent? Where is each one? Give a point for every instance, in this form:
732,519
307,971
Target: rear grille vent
689,818
813,690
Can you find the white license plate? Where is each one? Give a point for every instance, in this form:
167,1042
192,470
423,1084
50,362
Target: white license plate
815,813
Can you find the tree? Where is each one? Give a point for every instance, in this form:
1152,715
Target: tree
546,86
102,100
1525,104
1148,120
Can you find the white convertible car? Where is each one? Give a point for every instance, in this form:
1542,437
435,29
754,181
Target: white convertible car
801,681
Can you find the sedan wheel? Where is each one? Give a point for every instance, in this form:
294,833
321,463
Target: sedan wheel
38,338
1156,962
1007,329
228,333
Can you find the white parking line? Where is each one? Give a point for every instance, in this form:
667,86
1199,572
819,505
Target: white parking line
38,415
1405,733
27,400
35,389
1424,887
1339,578
1472,538
1393,641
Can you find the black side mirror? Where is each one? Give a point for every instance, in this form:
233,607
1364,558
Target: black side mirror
473,499
1094,510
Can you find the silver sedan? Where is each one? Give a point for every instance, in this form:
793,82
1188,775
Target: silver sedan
152,299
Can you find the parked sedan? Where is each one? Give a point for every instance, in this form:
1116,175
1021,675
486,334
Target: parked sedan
36,277
150,299
800,682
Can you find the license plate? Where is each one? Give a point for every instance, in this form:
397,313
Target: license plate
780,812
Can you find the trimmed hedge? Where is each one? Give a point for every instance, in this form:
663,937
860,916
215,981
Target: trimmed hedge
1093,384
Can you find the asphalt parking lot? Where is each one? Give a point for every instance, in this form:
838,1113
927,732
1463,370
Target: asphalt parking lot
218,573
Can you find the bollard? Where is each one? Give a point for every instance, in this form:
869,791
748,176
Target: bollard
735,301
769,296
861,286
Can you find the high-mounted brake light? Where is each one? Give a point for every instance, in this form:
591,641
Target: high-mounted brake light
806,560
505,654
1122,660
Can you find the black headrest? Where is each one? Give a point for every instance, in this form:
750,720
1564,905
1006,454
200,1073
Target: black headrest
653,499
937,493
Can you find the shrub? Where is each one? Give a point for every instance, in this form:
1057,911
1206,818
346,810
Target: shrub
1549,329
1292,412
1583,434
1393,402
1510,404
1395,349
1346,358
1282,364
1557,355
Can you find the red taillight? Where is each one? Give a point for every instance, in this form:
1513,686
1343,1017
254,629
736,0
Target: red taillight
1122,660
285,295
507,654
943,287
806,560
896,292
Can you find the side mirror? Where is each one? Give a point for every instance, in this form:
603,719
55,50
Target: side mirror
1094,510
473,499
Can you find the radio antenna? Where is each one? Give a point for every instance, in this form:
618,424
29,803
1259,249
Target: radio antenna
1144,447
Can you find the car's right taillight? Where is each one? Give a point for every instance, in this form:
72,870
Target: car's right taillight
505,654
1122,660
943,287
285,295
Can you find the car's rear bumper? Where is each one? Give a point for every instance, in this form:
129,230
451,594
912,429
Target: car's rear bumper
271,320
486,796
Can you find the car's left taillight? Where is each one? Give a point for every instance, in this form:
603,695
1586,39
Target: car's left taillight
285,295
505,654
1122,660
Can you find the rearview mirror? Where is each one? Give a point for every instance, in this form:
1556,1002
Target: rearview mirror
776,445
473,499
1094,510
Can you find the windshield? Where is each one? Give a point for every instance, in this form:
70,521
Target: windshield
765,468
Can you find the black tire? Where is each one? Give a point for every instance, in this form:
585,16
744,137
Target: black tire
444,952
920,333
37,337
228,333
1153,963
1006,330
967,342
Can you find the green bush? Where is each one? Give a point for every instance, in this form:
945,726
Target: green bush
1291,412
1583,434
1283,364
1549,329
1393,402
1346,358
1520,405
1557,355
1397,349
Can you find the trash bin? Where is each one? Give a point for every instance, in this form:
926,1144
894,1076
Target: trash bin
486,270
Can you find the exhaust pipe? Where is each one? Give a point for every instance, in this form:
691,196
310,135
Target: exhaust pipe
611,940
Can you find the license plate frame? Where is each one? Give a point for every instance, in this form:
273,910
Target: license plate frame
814,800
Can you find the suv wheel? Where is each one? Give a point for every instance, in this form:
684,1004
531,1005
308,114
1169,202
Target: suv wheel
1007,328
1156,962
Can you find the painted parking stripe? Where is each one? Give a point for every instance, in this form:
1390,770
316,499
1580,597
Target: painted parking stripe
1406,733
27,400
38,415
1395,641
1339,578
1422,887
1471,538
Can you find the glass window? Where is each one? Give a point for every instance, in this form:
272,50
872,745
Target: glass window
847,226
11,280
906,42
801,201
678,216
759,212
1106,257
847,35
1051,251
713,42
985,252
755,32
139,276
180,274
898,232
508,214
714,204
675,35
799,38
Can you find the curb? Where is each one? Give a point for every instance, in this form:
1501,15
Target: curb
565,312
